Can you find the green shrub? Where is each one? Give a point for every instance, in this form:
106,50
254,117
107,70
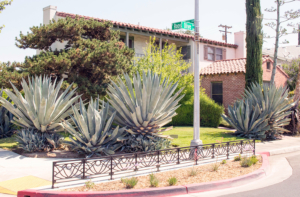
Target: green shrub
210,113
237,158
246,162
172,181
153,180
224,161
130,182
254,159
89,184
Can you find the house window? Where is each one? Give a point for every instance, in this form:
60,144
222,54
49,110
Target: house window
214,54
268,65
217,92
186,52
267,83
131,41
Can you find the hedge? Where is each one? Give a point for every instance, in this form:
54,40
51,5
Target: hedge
210,113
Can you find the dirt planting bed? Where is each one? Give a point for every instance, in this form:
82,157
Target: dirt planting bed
204,174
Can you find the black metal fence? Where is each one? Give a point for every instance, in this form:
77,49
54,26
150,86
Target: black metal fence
74,170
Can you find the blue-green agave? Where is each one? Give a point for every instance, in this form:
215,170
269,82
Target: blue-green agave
92,133
262,112
43,106
144,106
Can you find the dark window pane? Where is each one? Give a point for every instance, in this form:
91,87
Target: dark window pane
218,51
219,57
186,52
218,99
268,65
217,88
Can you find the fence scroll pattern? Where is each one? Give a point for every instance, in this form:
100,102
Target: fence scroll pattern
72,170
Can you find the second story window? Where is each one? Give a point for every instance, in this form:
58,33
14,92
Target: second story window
269,65
214,53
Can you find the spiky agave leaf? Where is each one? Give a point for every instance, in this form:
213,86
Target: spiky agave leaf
144,105
92,133
42,107
6,127
262,112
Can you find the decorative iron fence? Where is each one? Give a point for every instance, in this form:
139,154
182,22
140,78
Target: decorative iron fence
74,170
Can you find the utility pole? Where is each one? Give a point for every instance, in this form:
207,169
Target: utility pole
196,141
226,32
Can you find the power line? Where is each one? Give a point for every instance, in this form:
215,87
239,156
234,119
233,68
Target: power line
226,32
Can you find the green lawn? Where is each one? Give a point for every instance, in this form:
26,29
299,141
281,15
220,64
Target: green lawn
207,135
8,143
185,135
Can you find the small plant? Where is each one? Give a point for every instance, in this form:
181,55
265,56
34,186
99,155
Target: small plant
130,182
193,172
172,181
153,180
89,184
224,161
238,158
254,159
215,166
246,162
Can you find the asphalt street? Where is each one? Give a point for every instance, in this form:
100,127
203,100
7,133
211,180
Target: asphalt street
288,188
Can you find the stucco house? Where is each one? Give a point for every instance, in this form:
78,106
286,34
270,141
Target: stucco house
222,65
137,37
224,81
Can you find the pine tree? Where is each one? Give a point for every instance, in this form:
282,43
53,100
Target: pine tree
254,40
92,55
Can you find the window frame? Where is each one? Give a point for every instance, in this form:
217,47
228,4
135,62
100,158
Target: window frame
211,91
214,54
269,63
131,38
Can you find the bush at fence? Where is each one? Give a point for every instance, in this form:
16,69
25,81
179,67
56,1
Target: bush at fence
210,113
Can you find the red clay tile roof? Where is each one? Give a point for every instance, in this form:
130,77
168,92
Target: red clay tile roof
143,28
231,66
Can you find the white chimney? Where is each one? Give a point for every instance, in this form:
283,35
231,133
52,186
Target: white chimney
240,40
49,13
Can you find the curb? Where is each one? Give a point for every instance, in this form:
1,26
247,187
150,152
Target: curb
164,191
285,150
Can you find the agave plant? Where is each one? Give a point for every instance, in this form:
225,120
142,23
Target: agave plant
92,133
144,106
42,107
262,112
6,127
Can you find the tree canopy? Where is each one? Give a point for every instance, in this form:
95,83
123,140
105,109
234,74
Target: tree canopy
3,4
91,56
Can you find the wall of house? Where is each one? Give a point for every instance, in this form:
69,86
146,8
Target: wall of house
233,86
280,77
234,83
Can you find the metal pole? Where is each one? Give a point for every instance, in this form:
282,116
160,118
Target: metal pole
196,141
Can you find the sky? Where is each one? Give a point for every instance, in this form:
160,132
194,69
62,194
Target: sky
23,14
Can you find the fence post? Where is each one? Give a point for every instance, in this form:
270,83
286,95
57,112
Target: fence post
111,168
213,151
53,181
157,166
254,147
227,150
83,169
178,160
242,147
196,154
136,169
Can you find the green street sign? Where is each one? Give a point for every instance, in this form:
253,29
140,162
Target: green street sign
190,21
183,25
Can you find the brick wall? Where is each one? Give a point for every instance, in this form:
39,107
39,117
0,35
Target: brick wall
280,77
233,86
234,83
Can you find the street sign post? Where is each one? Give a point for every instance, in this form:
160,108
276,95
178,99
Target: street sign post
183,25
